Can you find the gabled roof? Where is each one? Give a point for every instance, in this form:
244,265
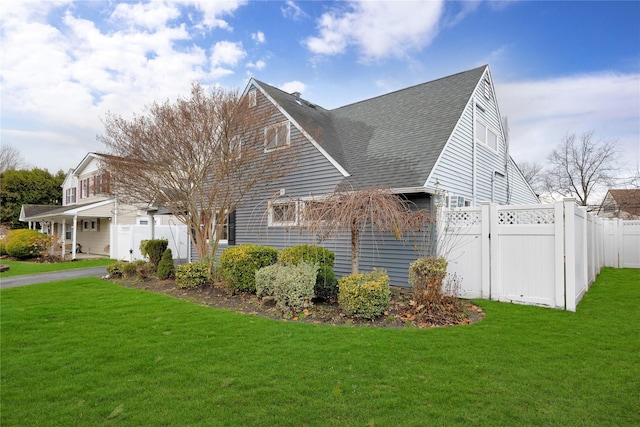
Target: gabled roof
626,200
390,141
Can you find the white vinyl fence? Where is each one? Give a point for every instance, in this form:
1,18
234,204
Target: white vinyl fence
533,254
125,240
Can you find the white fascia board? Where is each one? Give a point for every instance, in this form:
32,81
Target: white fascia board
85,161
301,129
411,190
91,206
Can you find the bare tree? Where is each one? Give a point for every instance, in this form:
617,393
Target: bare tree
10,158
353,210
198,157
532,172
580,165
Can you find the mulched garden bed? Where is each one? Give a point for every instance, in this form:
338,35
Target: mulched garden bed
400,313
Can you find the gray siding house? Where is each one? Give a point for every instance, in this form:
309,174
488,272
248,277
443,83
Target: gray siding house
439,142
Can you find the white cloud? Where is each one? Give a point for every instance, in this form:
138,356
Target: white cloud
542,112
377,29
150,15
225,53
258,65
293,11
212,10
258,37
293,86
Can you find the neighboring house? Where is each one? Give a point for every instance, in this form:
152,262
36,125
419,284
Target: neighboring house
623,204
88,210
439,142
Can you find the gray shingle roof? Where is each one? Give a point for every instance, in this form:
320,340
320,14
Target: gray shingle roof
390,141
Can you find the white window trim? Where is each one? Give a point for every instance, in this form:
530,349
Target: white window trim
456,201
215,230
487,129
270,219
276,126
253,99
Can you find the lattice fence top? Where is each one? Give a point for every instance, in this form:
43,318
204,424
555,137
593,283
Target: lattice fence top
631,225
526,217
462,218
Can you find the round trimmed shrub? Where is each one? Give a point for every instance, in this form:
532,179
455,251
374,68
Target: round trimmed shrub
326,285
166,269
290,285
27,243
192,275
240,263
365,295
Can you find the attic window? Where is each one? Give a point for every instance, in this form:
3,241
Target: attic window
277,136
487,89
252,98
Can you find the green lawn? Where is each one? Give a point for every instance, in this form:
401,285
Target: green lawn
88,352
19,268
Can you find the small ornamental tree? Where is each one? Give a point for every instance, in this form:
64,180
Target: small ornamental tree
352,211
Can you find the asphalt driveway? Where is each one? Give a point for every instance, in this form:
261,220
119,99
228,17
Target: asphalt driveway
31,279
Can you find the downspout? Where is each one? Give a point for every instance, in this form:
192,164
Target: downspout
505,126
493,179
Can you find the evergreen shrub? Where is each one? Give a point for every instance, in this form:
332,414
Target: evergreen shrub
365,295
166,269
326,284
291,285
192,275
153,249
240,263
26,243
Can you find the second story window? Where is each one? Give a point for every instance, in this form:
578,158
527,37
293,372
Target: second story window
70,196
252,98
486,136
84,188
277,136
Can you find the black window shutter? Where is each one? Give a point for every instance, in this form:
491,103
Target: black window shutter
232,229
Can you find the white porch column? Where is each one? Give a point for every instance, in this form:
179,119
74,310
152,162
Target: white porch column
153,226
63,227
74,228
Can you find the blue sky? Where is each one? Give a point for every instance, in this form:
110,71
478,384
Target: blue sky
559,67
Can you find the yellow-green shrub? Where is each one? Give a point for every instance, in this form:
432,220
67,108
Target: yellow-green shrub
364,295
26,243
240,263
192,275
